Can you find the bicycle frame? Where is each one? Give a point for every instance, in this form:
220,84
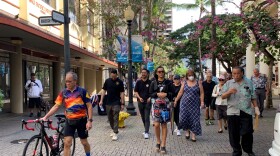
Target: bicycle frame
42,133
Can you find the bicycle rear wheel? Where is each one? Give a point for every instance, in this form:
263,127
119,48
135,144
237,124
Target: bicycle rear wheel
33,147
61,145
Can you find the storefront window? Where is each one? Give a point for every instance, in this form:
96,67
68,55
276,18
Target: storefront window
5,78
73,11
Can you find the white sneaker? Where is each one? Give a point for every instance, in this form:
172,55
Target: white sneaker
112,134
178,133
115,137
175,130
146,135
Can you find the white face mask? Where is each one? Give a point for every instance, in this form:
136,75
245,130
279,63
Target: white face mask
191,78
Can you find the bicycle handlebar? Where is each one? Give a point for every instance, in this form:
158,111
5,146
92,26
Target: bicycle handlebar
49,122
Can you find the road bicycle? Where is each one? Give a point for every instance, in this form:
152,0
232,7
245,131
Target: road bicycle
39,145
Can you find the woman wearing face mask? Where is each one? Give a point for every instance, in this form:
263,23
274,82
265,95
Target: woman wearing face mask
192,95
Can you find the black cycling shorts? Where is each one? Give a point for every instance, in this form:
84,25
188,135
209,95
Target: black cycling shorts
69,130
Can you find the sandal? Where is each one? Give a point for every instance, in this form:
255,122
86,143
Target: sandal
225,127
188,136
220,131
157,147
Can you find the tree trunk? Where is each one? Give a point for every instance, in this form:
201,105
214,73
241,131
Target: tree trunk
213,36
200,64
140,20
268,103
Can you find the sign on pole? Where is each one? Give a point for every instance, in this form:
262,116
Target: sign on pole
47,21
57,16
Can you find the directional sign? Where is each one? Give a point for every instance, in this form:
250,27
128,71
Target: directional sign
47,21
57,16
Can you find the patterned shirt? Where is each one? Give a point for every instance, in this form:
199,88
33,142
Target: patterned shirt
242,99
259,82
75,103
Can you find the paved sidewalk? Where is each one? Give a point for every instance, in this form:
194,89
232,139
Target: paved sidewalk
131,141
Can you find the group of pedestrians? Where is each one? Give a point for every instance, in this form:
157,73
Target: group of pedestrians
234,100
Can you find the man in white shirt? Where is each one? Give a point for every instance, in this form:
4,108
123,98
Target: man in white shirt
34,89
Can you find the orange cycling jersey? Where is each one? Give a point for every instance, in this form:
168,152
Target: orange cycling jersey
75,103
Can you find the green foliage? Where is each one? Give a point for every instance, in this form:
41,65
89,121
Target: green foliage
265,28
230,46
180,70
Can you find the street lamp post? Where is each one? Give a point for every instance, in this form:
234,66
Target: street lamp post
129,15
66,38
146,49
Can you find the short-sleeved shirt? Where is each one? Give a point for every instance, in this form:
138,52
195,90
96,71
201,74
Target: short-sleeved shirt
242,99
208,89
114,89
260,82
75,103
142,88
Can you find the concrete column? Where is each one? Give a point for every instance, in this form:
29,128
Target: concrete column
94,81
99,80
56,79
264,69
23,13
81,76
17,85
250,61
89,85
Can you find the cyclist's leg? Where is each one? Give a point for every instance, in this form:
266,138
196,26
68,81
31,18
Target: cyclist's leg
69,132
83,134
67,145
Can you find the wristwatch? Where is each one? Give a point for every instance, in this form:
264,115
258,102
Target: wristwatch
90,120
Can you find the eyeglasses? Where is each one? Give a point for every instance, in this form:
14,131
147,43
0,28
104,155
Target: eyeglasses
67,81
221,79
176,79
160,71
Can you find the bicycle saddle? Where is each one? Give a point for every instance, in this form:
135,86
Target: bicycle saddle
60,116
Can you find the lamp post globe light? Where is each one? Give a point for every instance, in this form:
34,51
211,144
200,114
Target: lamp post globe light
146,49
129,15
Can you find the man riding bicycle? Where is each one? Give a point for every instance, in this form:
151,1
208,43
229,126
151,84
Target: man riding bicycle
78,112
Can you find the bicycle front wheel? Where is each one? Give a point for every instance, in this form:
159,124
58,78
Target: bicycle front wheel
36,146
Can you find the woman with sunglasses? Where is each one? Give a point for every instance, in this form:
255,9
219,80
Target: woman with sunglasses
221,104
160,93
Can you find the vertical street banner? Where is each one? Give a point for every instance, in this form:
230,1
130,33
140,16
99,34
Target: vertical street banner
150,66
136,48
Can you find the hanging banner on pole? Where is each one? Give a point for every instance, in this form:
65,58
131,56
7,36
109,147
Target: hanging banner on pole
136,48
150,66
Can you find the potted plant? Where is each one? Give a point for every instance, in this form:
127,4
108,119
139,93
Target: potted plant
1,100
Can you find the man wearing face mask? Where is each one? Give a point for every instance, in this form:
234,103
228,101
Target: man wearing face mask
240,94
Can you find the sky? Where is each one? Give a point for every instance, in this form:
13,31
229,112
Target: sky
182,17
